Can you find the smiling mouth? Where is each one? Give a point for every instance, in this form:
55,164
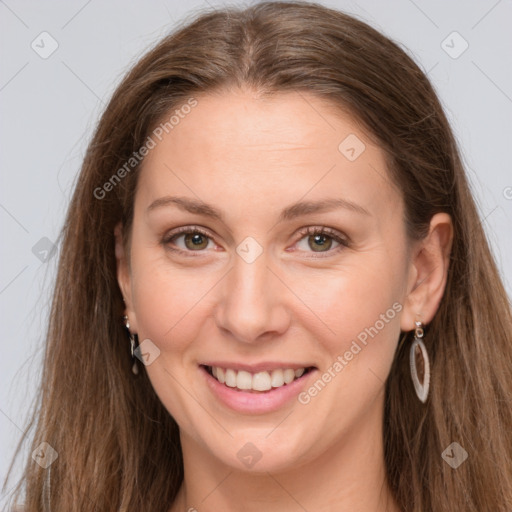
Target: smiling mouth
259,382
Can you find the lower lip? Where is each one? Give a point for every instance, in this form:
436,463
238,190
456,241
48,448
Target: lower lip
256,403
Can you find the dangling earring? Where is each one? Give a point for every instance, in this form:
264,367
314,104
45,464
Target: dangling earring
420,366
134,343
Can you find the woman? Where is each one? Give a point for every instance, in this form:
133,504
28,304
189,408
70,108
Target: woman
202,354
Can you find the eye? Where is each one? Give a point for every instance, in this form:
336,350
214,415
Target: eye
194,239
320,240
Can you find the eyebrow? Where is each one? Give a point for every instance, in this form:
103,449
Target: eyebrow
295,210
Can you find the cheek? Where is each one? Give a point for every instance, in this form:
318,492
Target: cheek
360,307
161,297
364,316
171,303
169,312
352,297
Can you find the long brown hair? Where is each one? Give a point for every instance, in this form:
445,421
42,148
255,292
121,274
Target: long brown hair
118,447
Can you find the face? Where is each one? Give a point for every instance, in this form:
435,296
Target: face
295,309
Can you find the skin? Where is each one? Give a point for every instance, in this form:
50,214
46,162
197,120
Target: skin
299,301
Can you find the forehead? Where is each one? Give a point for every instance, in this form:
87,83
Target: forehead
236,144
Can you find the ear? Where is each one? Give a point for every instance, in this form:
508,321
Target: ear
428,273
123,276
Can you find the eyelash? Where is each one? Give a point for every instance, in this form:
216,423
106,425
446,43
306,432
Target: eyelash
310,230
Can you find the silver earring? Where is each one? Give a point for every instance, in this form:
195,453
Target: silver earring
134,342
420,365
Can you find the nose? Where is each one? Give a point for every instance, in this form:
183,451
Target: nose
252,303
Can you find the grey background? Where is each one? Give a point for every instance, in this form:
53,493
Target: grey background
49,108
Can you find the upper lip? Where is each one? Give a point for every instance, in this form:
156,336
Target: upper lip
257,367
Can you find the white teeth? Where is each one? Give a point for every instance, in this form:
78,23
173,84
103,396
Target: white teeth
244,380
277,379
260,381
289,376
230,378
